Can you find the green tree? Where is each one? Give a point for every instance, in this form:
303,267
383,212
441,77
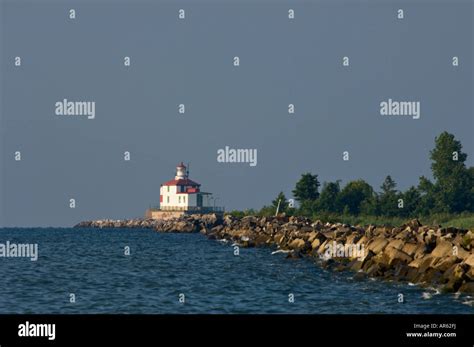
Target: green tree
354,195
411,202
388,199
266,211
306,188
280,199
427,191
329,198
453,187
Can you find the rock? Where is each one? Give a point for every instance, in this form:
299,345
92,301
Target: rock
454,277
317,225
430,237
262,240
279,238
395,254
470,261
294,255
416,263
414,224
369,232
322,248
431,276
312,235
306,229
363,240
366,257
443,249
470,273
421,251
217,228
374,270
315,244
412,275
353,238
355,265
423,264
462,253
297,244
377,245
410,248
467,287
397,244
446,263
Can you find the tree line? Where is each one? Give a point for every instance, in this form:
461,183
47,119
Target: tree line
450,191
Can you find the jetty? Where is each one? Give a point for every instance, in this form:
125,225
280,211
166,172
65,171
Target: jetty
430,256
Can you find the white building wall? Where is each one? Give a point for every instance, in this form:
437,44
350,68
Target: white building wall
172,199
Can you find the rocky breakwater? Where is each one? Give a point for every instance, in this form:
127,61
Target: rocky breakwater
429,256
185,224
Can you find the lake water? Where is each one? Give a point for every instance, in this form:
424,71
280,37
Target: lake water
91,264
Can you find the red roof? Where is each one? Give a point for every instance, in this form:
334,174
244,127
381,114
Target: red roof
181,165
183,182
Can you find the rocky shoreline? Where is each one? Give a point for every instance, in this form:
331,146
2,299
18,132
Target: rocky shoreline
415,253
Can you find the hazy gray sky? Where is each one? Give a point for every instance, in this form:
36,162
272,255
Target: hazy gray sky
191,62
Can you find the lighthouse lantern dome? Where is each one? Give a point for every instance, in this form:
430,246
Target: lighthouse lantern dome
181,171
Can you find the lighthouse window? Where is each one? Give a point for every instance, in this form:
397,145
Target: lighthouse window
168,189
179,199
184,199
168,199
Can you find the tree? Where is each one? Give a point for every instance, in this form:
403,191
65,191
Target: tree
388,200
447,156
427,200
388,186
306,188
411,202
453,187
280,199
328,199
354,194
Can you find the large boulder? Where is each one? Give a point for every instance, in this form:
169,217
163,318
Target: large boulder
377,245
454,277
297,244
315,244
262,240
396,243
410,248
470,261
279,238
443,249
467,287
423,264
395,254
445,263
353,238
414,224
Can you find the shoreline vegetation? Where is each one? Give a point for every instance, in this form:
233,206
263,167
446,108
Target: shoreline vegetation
430,256
446,200
464,220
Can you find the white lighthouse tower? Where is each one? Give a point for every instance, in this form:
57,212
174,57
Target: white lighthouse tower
182,196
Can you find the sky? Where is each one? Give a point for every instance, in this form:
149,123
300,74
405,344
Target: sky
190,62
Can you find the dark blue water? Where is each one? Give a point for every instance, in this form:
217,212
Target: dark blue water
91,264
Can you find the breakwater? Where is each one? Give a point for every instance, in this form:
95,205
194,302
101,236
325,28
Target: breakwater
415,253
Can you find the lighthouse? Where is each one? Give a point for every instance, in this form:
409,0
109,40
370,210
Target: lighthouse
182,195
